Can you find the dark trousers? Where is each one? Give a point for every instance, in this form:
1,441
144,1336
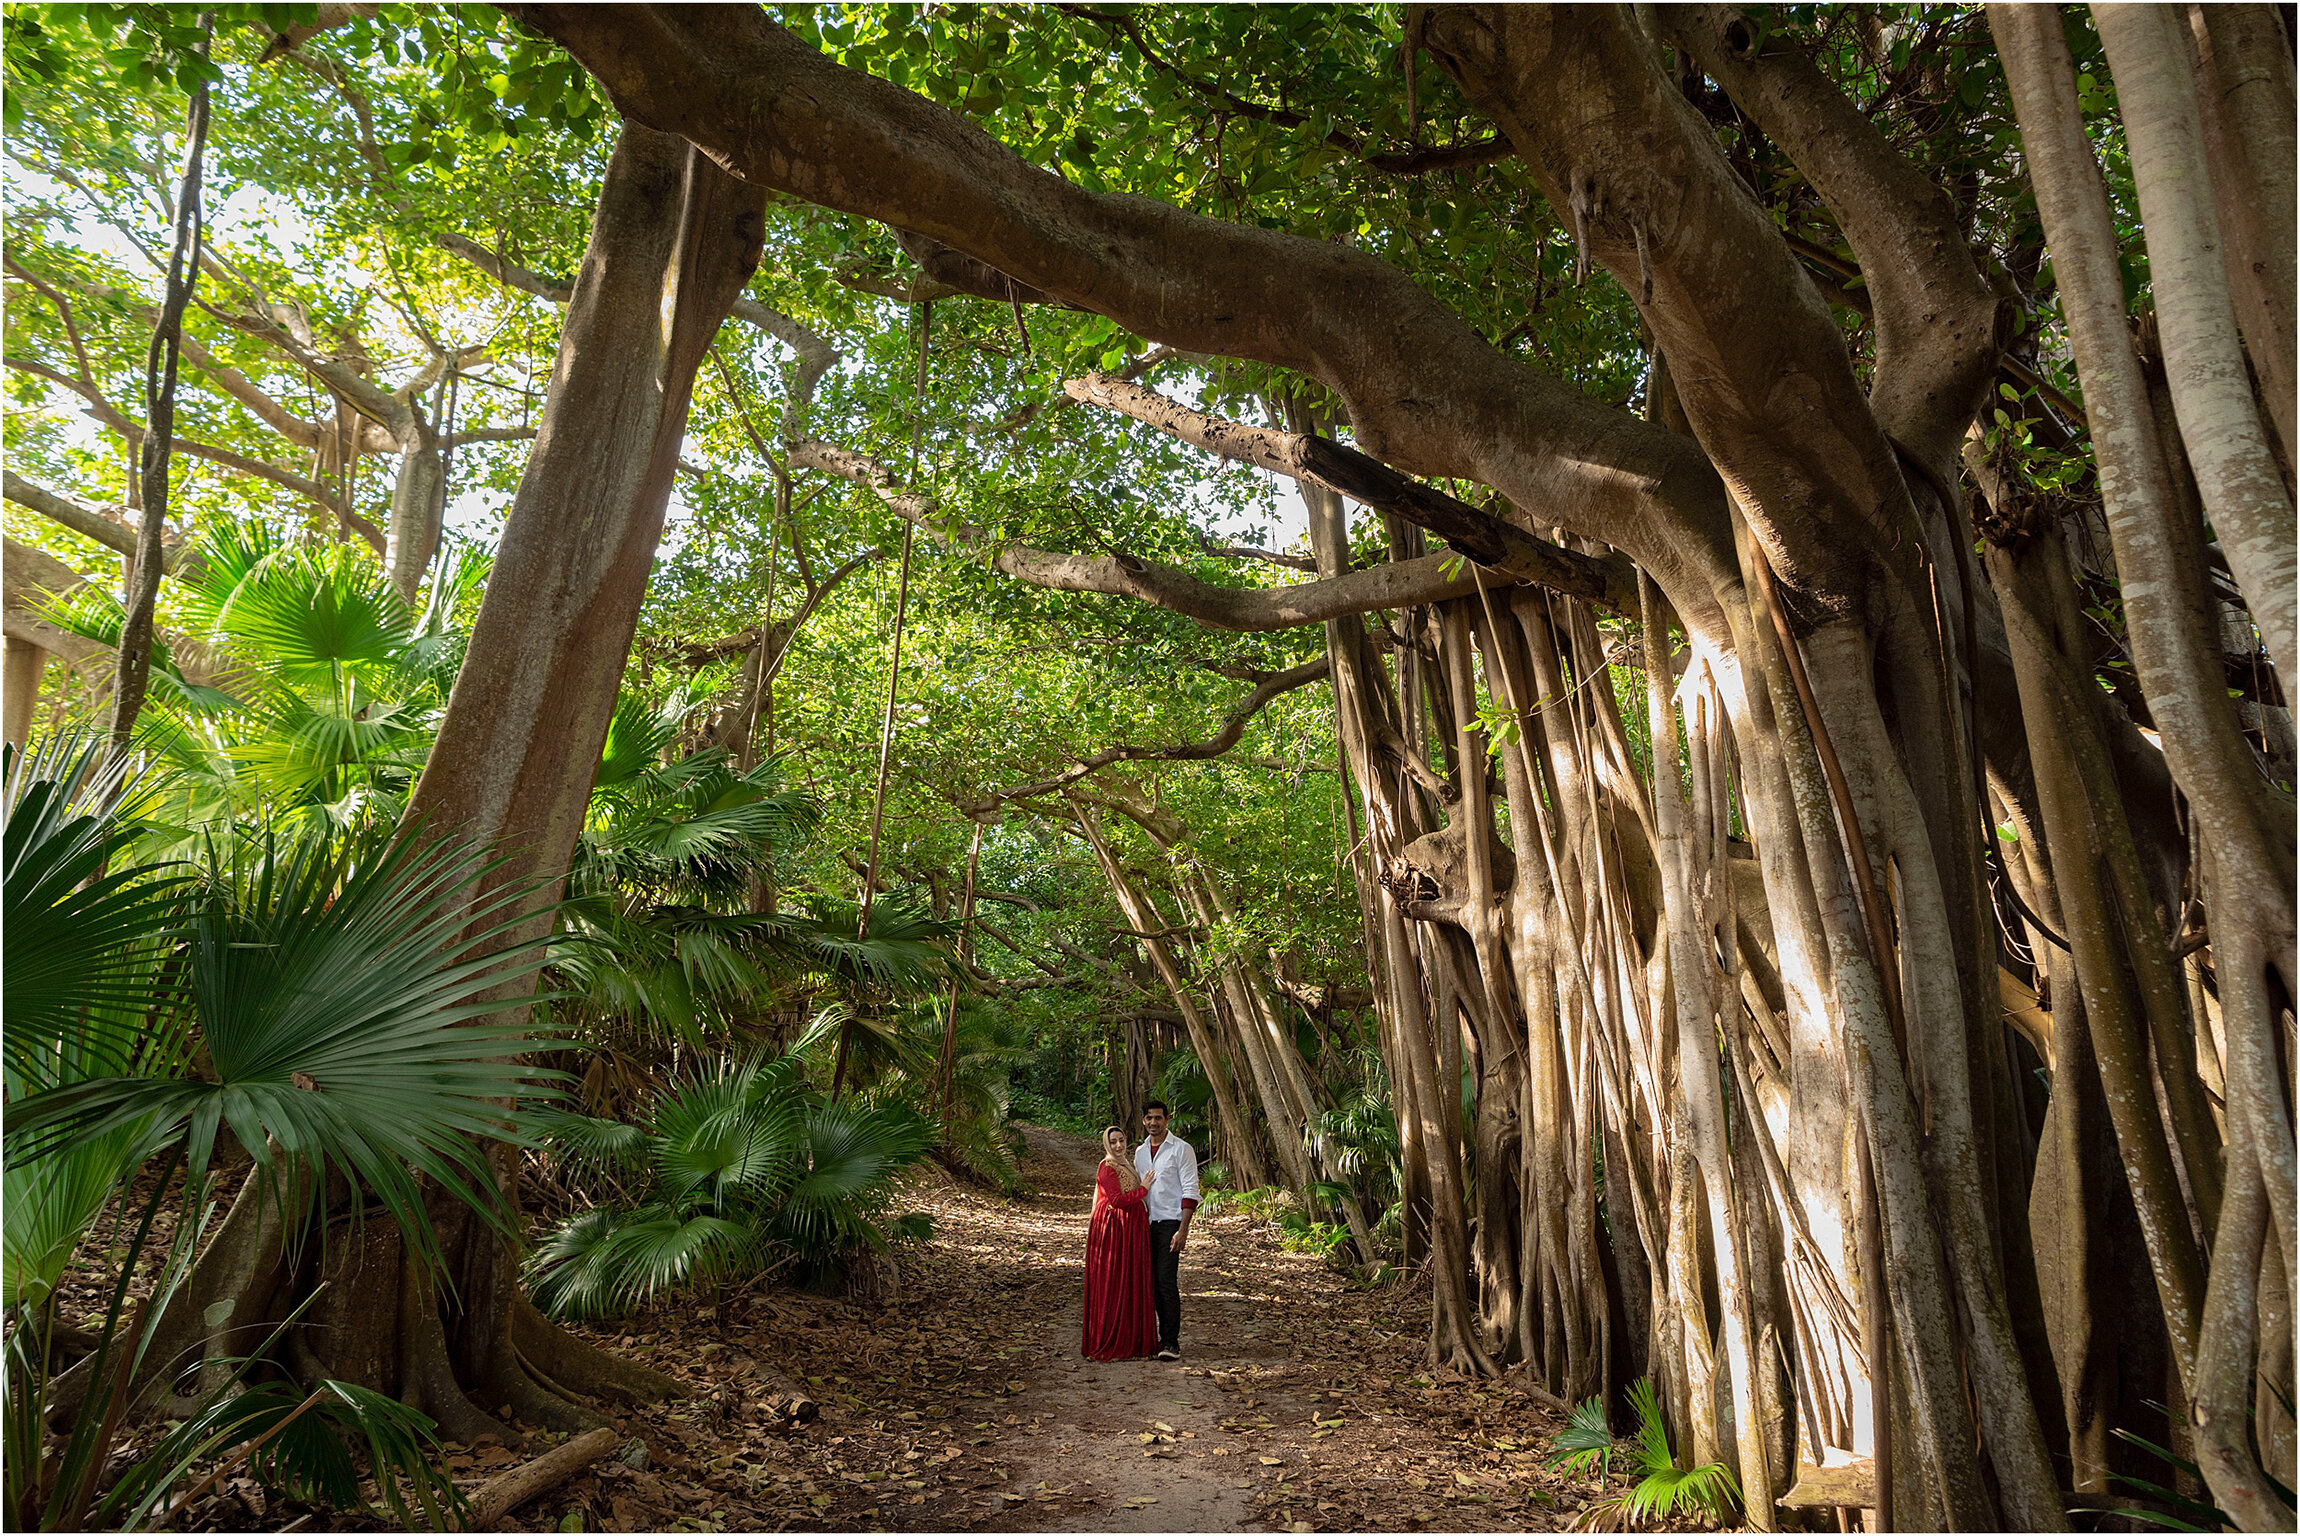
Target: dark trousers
1166,1282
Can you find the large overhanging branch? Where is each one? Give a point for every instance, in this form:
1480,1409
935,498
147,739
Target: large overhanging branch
1404,584
1425,392
1491,541
1759,363
107,526
1936,318
962,274
104,527
1233,727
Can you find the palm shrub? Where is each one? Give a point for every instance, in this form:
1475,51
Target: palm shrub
738,1168
1663,1490
659,950
1358,1139
89,938
695,829
867,1031
318,1004
987,1051
322,694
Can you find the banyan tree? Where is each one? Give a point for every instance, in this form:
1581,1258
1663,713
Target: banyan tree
1878,1031
1846,871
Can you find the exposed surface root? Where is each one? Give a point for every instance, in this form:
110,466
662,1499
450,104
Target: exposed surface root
582,1366
426,1380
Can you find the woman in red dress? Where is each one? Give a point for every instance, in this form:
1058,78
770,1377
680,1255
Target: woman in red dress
1121,1321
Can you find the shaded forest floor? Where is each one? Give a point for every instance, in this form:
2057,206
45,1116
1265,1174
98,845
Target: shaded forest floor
957,1400
962,1403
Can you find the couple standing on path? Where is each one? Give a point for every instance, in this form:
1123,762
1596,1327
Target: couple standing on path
1142,1212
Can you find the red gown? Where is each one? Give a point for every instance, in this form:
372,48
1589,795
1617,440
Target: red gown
1121,1321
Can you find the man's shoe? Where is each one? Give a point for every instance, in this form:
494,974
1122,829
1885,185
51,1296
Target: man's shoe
1169,1353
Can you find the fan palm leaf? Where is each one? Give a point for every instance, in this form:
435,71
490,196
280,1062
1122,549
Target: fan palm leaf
902,953
86,935
317,618
714,1135
638,734
743,1161
607,1260
852,1148
609,1144
51,1204
352,1013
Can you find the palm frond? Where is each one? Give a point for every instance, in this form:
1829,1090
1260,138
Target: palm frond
902,954
317,617
605,1260
852,1148
608,1144
304,1451
638,734
83,984
1652,1428
713,1135
1586,1442
351,1012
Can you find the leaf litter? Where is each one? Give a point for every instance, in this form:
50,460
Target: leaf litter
953,1398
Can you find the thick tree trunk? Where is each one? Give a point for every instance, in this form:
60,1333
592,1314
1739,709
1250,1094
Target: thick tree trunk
672,244
2244,88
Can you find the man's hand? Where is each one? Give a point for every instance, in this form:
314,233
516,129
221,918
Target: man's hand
1181,1237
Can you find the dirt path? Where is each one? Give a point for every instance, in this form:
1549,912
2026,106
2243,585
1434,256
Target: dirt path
1138,1440
962,1402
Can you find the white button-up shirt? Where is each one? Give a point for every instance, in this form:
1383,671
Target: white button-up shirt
1171,1172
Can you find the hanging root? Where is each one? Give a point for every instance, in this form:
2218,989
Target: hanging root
1578,200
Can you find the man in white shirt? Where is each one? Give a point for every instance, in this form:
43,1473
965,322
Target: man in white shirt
1169,1167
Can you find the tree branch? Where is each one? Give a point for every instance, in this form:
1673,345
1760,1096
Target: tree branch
1425,393
104,527
64,313
109,415
492,435
1403,584
1253,552
1233,727
24,570
372,400
325,18
1936,318
1759,362
1500,546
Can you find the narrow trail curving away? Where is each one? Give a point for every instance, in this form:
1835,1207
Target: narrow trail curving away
959,1401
